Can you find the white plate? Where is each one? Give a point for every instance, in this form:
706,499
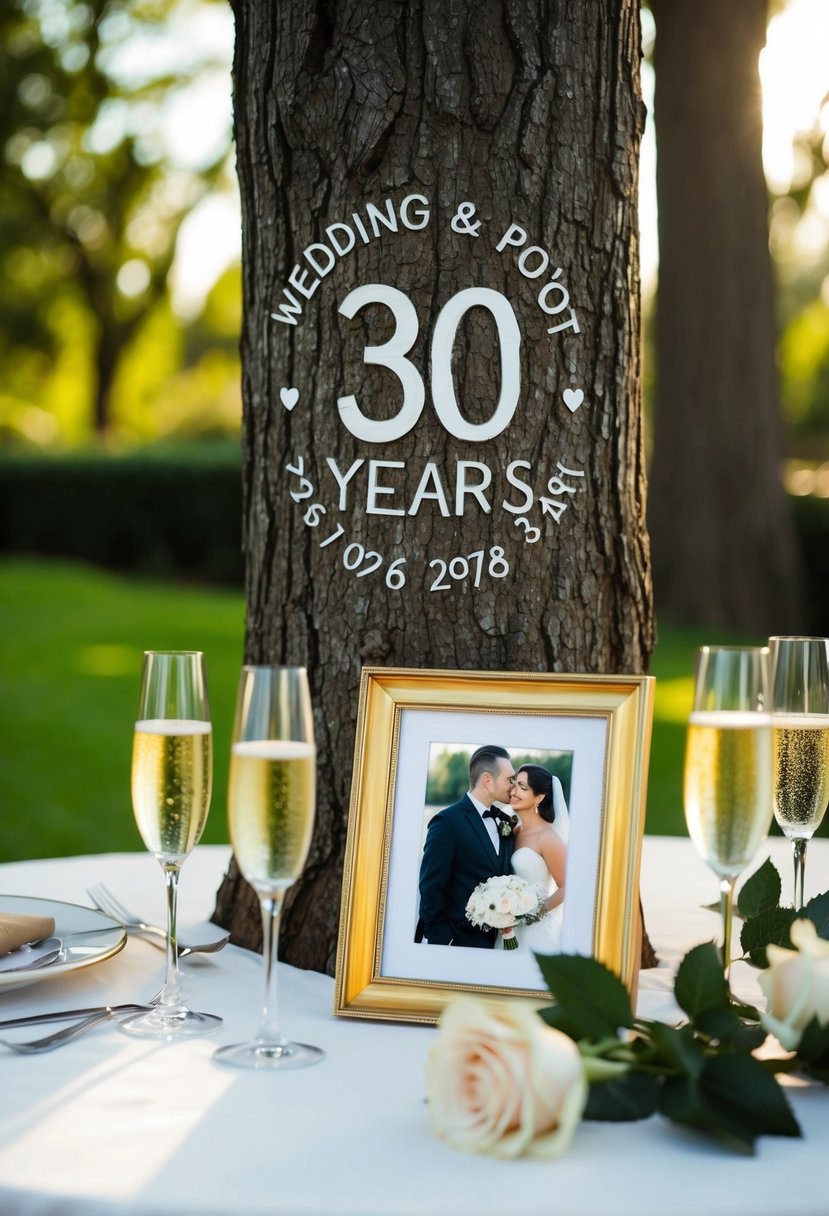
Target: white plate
87,936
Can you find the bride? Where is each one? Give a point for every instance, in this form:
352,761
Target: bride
538,799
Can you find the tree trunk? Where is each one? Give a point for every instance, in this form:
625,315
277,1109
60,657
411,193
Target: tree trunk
442,115
723,540
107,349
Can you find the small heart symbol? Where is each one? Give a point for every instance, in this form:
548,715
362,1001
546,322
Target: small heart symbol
289,397
573,398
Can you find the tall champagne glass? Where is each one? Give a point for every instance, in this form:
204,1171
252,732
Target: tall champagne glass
800,735
728,766
271,804
172,773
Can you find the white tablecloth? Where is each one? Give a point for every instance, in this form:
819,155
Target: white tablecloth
113,1125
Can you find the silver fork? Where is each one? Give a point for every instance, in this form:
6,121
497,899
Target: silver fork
49,1042
105,902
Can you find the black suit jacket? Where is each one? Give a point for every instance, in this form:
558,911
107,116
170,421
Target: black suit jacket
458,854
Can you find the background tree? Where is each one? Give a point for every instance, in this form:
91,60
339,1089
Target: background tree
91,199
533,112
724,549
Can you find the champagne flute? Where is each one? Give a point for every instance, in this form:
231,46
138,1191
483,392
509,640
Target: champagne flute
800,737
728,766
171,782
271,803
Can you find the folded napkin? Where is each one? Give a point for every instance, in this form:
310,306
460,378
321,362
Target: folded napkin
16,931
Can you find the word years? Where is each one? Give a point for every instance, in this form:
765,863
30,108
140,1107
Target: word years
472,486
362,562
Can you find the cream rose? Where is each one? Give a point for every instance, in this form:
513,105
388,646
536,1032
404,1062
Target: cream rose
796,985
502,1082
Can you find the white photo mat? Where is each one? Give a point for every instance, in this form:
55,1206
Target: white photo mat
586,737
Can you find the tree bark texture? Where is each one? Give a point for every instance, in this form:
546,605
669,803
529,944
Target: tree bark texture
724,548
532,112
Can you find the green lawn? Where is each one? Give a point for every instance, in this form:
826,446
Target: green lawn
71,640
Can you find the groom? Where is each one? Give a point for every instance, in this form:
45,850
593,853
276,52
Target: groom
464,846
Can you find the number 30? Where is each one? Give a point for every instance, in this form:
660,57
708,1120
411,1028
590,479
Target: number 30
392,354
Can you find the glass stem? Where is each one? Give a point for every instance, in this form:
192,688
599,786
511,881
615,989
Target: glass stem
171,996
726,904
269,1032
799,851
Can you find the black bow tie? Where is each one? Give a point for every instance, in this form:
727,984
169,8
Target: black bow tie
492,813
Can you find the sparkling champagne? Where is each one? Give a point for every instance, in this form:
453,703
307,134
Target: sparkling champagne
728,802
271,800
801,773
171,784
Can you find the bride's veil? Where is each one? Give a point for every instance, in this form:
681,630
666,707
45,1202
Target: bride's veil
561,824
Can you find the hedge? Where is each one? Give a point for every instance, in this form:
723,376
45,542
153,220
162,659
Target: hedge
811,516
175,516
180,515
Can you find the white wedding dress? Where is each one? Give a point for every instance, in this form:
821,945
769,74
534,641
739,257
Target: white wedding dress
544,937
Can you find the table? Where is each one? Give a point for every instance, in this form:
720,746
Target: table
113,1125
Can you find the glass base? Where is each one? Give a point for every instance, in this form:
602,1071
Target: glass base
266,1056
178,1024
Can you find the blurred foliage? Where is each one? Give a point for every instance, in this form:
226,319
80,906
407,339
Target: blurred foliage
176,381
804,366
448,777
176,512
799,238
92,197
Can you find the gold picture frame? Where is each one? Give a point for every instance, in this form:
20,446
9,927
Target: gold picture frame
602,721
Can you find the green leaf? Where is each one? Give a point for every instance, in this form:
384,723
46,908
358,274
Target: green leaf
718,1023
677,1048
734,1098
700,984
747,1013
769,928
813,1048
592,999
555,1016
682,1100
741,1086
761,892
631,1096
748,1039
817,911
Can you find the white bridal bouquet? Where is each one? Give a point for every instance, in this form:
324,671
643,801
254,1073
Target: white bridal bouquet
502,902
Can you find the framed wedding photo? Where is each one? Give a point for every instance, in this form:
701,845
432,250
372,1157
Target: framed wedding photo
453,771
